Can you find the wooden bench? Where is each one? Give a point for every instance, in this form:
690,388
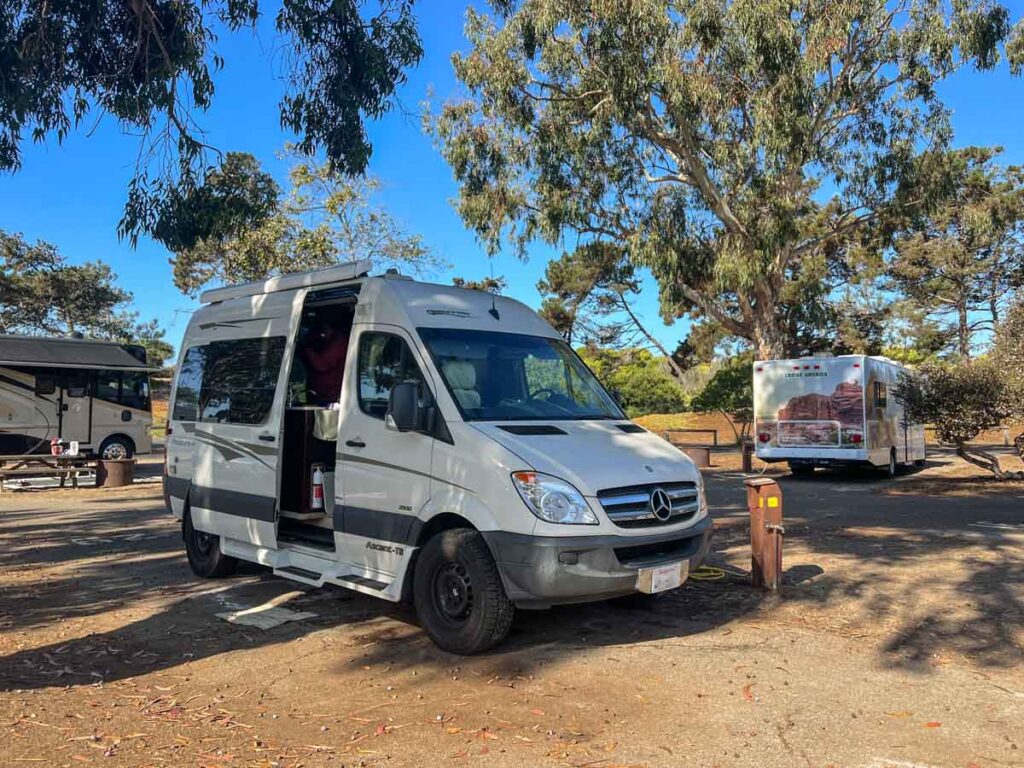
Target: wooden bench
712,432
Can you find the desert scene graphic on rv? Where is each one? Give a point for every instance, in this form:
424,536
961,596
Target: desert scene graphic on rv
806,403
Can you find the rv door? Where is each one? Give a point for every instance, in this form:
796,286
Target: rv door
76,406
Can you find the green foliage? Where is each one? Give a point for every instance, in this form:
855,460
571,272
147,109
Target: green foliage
961,263
731,392
40,293
641,380
696,138
960,401
235,196
486,284
151,65
324,219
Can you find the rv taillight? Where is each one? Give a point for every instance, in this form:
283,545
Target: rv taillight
759,369
857,439
764,437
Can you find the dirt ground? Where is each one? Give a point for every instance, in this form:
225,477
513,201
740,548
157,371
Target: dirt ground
897,641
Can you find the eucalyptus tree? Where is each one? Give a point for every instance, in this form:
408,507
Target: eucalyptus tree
152,66
736,148
325,217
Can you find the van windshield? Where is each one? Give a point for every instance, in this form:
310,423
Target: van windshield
510,376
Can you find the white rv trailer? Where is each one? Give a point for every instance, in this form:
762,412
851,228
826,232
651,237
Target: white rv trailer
464,458
93,392
833,411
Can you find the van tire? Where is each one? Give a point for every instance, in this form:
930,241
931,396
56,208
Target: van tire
458,594
204,554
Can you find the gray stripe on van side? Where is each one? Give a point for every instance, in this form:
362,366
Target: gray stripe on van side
376,524
236,503
176,486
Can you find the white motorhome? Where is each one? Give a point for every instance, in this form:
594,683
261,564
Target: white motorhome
95,393
416,441
833,411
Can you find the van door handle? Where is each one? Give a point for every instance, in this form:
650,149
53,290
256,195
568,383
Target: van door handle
267,438
355,443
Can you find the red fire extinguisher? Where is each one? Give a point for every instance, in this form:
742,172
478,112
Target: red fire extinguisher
55,446
317,497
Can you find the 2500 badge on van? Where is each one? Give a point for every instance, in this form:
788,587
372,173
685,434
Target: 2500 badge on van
417,442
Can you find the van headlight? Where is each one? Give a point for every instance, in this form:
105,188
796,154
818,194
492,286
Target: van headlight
553,500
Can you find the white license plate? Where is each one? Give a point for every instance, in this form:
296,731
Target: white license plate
662,578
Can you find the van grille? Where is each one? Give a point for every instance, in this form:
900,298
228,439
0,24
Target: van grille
630,506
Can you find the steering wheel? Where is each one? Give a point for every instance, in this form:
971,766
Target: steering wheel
541,391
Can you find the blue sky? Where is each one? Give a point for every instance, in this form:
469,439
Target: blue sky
72,194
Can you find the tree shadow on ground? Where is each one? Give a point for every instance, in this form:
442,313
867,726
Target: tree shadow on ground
874,536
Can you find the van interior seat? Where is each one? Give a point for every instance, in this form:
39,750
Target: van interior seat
461,375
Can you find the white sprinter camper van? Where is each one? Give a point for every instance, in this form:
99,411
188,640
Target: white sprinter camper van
833,411
418,442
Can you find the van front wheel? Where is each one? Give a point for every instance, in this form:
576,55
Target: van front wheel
203,551
458,594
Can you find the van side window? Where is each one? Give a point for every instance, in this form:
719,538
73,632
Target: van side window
190,380
384,360
239,380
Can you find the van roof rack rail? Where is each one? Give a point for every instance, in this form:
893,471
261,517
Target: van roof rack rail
348,271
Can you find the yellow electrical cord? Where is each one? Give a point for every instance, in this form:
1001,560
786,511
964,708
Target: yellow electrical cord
707,573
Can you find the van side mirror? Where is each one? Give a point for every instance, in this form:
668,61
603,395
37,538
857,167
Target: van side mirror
404,410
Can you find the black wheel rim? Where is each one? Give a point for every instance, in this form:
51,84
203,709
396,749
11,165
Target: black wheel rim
452,593
203,544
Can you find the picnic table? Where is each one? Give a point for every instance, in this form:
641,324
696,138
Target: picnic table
63,466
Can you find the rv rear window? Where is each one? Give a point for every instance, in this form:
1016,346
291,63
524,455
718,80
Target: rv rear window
229,381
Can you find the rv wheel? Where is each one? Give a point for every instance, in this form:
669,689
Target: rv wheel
203,551
458,593
115,448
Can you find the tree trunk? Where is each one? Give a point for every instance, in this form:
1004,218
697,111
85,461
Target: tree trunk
963,332
769,340
986,461
677,371
728,418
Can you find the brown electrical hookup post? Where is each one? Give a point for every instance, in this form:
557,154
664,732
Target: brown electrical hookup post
764,501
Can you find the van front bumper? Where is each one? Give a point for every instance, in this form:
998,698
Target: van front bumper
541,571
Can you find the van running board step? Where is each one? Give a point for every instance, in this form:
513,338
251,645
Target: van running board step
300,574
363,581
